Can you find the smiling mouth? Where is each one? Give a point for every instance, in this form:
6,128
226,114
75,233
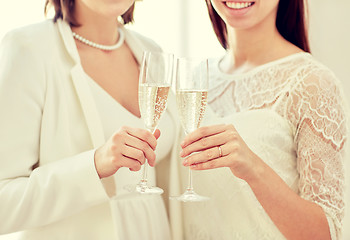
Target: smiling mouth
239,5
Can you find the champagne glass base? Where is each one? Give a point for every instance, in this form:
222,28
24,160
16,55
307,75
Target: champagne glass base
143,189
190,196
148,190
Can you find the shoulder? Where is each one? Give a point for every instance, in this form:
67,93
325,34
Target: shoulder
31,33
318,99
147,42
25,53
31,38
315,78
320,92
311,69
307,76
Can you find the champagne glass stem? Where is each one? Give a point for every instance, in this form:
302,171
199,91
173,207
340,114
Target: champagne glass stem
144,173
143,181
190,181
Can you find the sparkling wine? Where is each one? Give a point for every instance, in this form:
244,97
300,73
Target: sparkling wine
152,101
191,106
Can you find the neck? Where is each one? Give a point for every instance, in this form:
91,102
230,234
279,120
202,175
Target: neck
95,27
255,46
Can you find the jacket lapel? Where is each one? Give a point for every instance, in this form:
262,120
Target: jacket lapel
82,88
134,44
81,85
88,105
86,99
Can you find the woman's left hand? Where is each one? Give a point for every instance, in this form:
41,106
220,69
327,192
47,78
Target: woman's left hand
219,146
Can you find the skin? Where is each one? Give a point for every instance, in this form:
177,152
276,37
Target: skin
128,147
253,41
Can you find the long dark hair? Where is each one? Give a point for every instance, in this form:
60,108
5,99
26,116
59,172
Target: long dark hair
290,22
64,9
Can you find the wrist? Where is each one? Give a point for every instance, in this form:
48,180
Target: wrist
97,165
256,172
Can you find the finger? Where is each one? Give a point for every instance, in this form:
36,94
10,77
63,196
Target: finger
142,146
201,133
151,158
134,153
204,143
204,156
143,135
156,133
216,163
130,163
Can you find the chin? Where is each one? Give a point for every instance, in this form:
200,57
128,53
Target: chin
240,24
114,13
116,9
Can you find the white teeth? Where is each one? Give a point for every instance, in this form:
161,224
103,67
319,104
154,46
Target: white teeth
238,5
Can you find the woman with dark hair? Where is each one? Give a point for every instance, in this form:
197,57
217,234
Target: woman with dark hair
275,163
71,133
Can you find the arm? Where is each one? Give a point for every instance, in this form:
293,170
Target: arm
320,140
317,211
294,216
32,196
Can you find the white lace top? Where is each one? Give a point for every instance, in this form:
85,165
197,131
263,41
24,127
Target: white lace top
291,113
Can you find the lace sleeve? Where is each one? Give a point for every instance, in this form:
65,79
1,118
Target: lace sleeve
318,111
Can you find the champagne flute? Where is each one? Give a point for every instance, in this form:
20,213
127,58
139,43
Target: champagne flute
154,85
191,99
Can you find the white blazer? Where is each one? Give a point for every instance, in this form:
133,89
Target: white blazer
49,128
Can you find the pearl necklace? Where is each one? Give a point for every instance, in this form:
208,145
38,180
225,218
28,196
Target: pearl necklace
100,46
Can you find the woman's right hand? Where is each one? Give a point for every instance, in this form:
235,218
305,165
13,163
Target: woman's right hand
128,147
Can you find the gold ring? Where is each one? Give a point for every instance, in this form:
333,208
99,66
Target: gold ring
220,151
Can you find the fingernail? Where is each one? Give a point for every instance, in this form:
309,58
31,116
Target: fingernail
182,154
182,144
185,162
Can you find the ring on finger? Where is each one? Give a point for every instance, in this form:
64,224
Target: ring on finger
220,151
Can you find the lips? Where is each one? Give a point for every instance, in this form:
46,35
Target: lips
239,5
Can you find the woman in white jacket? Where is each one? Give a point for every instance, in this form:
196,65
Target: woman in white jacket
64,152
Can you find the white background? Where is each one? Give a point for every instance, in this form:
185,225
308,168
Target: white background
183,27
